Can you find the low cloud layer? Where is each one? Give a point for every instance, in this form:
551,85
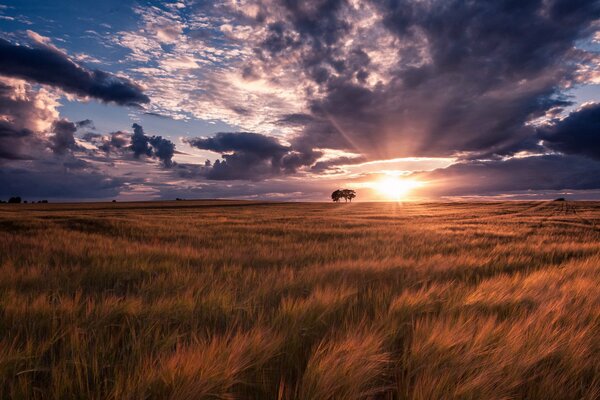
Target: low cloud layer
529,174
62,181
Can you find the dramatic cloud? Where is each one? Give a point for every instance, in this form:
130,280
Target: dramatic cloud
472,76
315,93
64,136
383,79
578,133
29,123
247,155
150,146
139,142
128,147
163,149
24,115
261,145
48,66
37,149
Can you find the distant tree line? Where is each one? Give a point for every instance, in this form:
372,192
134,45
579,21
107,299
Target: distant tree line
346,194
18,200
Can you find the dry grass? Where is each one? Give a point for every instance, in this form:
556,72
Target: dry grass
238,300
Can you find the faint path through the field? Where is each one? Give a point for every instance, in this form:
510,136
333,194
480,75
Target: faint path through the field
539,215
554,213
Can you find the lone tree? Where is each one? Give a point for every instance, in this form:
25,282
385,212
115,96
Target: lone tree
336,196
15,200
346,194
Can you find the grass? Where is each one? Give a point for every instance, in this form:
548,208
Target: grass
248,300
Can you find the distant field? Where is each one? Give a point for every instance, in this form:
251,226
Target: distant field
241,300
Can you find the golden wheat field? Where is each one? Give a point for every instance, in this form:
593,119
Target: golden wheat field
243,300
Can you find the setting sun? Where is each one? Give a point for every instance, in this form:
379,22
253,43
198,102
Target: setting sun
394,188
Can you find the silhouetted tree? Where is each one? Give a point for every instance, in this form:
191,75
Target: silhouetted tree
336,196
15,200
346,194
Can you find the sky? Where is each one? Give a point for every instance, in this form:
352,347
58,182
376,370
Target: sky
290,100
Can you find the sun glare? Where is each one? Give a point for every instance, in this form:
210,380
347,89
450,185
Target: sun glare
394,188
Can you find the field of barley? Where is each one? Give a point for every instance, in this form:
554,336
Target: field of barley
312,301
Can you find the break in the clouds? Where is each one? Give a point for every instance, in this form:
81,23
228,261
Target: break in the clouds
262,94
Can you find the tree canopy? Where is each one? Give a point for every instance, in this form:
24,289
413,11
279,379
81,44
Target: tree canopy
346,194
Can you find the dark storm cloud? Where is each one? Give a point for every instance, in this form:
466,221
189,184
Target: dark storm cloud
315,21
296,159
468,75
151,146
139,142
312,28
48,66
163,149
278,39
247,155
261,145
539,173
64,136
578,133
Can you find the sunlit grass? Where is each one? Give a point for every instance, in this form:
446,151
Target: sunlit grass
235,300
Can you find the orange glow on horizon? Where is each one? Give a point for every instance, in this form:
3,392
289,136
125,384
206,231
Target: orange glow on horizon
395,188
